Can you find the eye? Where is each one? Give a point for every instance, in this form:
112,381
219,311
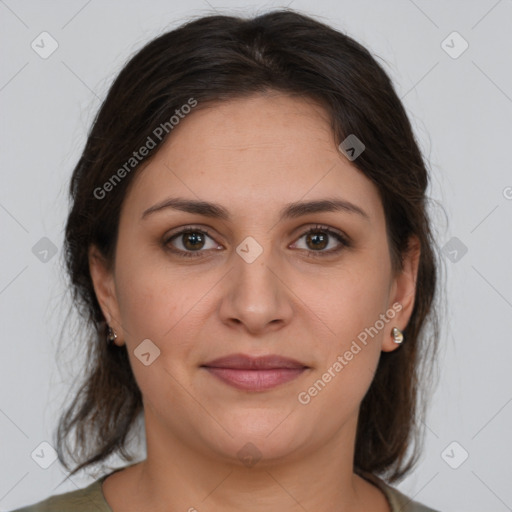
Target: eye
189,242
192,242
320,238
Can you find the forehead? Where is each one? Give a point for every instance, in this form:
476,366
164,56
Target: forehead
253,153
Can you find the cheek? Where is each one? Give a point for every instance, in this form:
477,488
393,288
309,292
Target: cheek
349,301
162,308
163,304
350,348
146,305
350,306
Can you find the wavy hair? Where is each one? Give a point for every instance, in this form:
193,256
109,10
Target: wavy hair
217,58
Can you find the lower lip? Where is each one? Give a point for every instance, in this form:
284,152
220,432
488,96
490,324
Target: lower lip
255,380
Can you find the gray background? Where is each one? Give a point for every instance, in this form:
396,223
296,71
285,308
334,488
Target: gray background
461,110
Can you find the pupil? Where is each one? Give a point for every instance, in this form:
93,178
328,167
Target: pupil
193,240
318,240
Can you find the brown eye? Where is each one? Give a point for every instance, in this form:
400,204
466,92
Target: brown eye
319,238
317,241
190,242
193,240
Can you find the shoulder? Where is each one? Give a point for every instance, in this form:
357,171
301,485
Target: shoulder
398,501
88,499
405,504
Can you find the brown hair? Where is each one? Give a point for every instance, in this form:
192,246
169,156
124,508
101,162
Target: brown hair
216,58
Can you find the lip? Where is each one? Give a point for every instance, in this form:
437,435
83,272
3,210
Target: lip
246,362
255,373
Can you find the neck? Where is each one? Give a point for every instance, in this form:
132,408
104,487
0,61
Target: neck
188,477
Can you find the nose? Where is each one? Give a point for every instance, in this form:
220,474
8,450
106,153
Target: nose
256,298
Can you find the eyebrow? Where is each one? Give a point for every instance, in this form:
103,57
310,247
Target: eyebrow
290,211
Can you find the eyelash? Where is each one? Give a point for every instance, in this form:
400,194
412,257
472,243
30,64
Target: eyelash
344,241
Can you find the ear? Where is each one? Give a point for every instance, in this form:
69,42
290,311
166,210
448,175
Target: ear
402,293
104,287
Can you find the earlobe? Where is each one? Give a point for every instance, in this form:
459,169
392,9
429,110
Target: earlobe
103,283
403,295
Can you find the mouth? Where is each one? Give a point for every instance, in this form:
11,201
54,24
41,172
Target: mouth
255,373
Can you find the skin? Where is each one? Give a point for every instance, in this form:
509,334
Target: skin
252,156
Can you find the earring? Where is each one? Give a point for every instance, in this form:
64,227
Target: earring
398,335
111,336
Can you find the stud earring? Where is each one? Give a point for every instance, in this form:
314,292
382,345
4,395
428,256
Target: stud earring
111,336
398,335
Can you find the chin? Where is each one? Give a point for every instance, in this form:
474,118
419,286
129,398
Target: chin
259,440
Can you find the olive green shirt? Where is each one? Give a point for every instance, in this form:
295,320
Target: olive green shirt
91,499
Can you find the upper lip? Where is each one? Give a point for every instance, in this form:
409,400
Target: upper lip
246,362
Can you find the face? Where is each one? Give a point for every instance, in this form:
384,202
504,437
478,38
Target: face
255,275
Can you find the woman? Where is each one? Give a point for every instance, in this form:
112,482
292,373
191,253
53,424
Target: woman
249,245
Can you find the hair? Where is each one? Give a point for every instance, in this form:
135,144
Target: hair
217,58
